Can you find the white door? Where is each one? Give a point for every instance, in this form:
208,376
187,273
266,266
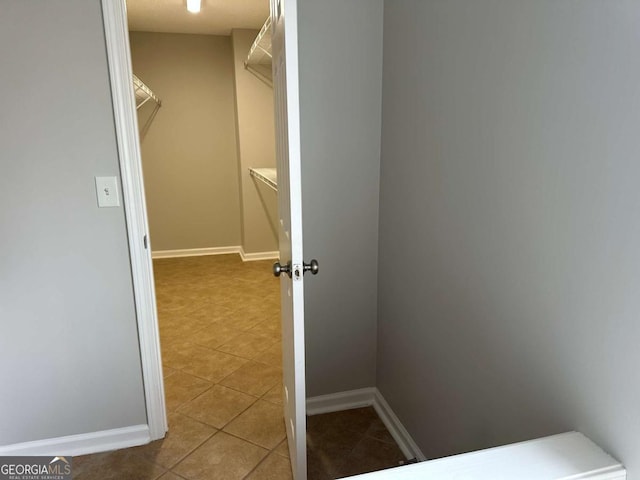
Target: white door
287,121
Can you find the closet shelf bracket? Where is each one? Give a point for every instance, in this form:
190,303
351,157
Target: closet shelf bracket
268,176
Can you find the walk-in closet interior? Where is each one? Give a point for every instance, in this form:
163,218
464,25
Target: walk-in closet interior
204,101
205,113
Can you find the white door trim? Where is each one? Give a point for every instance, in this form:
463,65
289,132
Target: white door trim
126,126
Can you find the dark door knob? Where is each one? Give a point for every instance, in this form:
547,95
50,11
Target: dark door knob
312,267
279,269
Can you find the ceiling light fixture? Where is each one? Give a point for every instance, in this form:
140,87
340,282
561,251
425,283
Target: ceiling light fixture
193,6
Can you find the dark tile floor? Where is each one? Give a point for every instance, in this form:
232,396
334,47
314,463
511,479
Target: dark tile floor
347,443
221,345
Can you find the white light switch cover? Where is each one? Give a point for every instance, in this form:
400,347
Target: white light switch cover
107,190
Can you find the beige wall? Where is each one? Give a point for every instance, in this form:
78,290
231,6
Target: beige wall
256,147
189,148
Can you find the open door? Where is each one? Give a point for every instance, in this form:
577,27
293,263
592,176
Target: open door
290,268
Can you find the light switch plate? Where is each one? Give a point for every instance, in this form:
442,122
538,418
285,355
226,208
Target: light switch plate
107,191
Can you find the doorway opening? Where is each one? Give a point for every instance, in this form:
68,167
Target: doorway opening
213,233
230,134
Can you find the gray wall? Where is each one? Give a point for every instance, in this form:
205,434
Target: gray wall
69,359
340,91
256,148
510,222
189,152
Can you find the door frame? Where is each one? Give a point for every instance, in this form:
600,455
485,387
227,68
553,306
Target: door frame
114,14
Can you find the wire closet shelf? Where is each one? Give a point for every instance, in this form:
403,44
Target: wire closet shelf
268,176
143,93
258,59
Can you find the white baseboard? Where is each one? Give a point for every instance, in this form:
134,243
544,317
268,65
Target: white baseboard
81,444
251,257
337,402
396,428
368,397
195,252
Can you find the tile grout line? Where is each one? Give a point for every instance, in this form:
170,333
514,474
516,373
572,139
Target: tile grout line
213,384
271,452
217,348
182,459
168,469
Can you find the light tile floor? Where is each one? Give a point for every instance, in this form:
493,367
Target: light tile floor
220,335
221,346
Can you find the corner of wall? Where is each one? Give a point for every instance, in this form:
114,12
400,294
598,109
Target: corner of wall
234,48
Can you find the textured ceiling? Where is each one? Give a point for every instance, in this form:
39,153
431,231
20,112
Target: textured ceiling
217,17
